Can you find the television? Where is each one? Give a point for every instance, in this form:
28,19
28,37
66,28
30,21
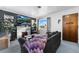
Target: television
23,21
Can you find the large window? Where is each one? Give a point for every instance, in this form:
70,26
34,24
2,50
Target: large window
43,25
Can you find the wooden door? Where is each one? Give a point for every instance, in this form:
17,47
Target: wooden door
70,27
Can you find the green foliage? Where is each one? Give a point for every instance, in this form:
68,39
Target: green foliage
42,26
6,26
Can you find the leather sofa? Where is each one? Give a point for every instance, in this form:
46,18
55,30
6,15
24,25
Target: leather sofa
53,42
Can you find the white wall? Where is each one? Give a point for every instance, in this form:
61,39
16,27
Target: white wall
56,16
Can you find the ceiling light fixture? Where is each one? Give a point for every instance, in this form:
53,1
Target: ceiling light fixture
38,6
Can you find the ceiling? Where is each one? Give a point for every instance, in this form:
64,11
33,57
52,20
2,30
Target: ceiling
34,11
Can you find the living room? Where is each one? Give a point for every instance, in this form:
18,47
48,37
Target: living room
41,27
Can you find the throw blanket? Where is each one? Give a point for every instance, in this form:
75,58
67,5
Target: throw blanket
36,44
